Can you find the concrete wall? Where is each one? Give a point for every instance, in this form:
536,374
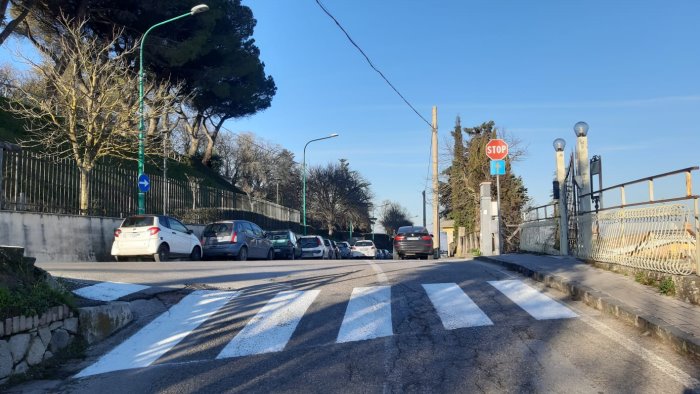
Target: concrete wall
52,237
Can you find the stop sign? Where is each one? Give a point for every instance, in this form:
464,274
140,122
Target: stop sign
497,149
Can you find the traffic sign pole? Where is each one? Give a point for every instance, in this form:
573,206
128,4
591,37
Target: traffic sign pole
497,150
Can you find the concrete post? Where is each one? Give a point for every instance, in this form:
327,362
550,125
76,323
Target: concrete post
2,191
585,226
486,231
563,214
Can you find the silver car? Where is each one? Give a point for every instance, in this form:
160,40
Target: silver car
313,247
239,239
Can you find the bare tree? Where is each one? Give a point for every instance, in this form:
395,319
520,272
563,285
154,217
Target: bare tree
92,110
394,216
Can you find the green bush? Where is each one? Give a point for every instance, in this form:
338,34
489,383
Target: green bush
32,300
643,278
667,286
476,252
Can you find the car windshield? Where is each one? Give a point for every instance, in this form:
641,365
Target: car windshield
310,242
363,243
217,229
138,221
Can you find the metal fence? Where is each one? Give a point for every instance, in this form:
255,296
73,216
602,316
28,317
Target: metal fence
539,231
31,183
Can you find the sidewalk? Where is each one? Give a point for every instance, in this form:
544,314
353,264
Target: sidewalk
674,322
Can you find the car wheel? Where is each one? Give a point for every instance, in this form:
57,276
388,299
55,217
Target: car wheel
163,253
430,257
242,254
196,254
121,259
293,255
271,254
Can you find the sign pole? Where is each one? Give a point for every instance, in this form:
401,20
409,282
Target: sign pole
498,214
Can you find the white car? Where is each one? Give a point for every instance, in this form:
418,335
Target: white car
364,249
154,236
312,246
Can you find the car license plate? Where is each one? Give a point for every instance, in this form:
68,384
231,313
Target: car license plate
277,250
412,238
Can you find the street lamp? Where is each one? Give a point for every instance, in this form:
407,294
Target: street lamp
303,175
194,10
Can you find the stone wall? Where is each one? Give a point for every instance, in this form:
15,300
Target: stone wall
26,341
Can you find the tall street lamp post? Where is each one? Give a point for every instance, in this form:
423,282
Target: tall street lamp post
142,156
303,175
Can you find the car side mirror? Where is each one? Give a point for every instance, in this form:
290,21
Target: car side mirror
190,232
432,236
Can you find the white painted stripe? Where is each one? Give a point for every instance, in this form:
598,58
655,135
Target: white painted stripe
532,301
108,291
455,308
270,329
163,333
368,315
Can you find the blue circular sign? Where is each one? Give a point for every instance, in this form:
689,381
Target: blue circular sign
144,183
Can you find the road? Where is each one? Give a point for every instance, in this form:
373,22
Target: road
365,326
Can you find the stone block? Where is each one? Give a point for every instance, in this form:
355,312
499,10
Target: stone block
45,335
55,325
59,312
35,322
21,368
8,326
99,322
19,344
36,351
59,340
71,325
15,324
2,329
48,355
6,362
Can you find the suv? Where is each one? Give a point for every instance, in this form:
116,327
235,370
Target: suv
239,239
285,244
158,236
413,241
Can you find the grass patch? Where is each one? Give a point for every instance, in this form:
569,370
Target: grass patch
32,300
667,286
643,278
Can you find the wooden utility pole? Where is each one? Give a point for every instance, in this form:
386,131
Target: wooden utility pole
436,194
423,192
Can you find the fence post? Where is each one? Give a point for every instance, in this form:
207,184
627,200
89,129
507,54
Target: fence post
563,214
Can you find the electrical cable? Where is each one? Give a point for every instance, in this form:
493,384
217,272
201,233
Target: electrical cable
370,61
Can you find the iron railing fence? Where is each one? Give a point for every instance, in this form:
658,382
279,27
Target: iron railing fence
31,183
539,231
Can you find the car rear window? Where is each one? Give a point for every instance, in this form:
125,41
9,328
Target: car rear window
217,229
279,235
309,242
363,243
412,230
138,221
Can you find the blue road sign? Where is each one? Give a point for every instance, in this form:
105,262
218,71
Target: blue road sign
498,167
144,183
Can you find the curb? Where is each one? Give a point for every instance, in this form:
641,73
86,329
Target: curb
682,342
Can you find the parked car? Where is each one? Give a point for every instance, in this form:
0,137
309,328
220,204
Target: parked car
386,255
413,241
344,248
239,239
312,246
364,249
331,249
336,250
285,244
159,237
380,254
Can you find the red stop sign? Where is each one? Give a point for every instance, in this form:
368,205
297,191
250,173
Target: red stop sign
497,149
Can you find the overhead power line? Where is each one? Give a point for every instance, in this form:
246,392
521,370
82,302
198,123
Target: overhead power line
370,61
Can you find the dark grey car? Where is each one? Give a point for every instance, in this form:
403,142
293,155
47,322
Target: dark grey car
285,244
239,239
413,241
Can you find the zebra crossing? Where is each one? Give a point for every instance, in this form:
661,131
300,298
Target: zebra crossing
368,315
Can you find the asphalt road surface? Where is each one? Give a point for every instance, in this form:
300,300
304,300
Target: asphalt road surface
363,326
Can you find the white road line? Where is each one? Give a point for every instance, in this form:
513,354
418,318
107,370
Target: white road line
163,333
532,301
381,276
270,329
108,291
455,308
647,356
368,315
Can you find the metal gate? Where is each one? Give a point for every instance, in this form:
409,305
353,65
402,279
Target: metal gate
571,194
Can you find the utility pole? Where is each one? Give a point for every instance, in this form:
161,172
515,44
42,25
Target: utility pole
424,225
436,194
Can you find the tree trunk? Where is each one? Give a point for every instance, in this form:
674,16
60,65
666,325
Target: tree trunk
209,150
84,191
330,230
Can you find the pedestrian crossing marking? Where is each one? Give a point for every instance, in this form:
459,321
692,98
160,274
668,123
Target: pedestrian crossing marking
270,329
368,315
108,291
532,301
163,333
455,308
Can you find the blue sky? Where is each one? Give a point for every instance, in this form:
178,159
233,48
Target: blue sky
628,68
